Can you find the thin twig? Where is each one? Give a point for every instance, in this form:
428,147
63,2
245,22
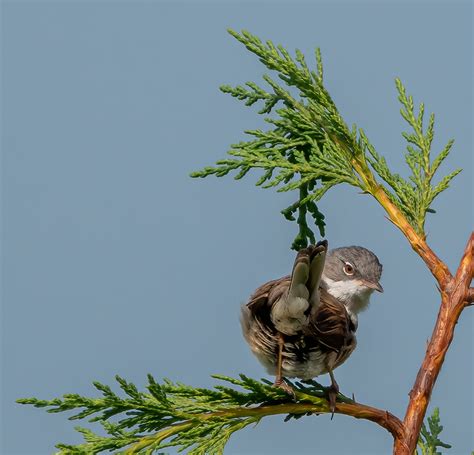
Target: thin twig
437,267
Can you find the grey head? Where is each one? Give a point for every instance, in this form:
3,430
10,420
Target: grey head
351,274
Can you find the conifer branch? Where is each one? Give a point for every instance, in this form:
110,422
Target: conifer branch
311,148
195,419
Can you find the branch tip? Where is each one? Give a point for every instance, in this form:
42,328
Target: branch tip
470,296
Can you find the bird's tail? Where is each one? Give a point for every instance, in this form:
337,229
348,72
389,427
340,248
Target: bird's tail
290,312
317,260
307,270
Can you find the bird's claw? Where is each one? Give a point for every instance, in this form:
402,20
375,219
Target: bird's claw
333,391
283,385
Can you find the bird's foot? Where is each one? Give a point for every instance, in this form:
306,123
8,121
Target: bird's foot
283,385
333,391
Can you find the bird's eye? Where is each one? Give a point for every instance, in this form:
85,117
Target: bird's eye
348,268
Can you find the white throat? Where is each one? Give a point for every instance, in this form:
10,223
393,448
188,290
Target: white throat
352,293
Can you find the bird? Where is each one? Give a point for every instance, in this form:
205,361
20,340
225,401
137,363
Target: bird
303,325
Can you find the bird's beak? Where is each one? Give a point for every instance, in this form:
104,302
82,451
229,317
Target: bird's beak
376,286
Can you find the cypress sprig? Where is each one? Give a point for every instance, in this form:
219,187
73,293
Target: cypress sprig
429,441
198,420
310,148
414,196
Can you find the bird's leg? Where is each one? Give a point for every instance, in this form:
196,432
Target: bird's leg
332,393
279,381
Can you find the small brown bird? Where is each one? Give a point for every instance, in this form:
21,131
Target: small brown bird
304,325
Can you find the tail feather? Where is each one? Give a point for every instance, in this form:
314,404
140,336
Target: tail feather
317,260
290,311
300,276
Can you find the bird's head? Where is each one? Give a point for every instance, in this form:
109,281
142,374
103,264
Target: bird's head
351,274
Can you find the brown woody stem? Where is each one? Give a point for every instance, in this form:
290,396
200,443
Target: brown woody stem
437,267
456,294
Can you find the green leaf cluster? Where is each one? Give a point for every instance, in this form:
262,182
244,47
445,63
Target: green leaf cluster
429,438
414,196
293,154
197,420
310,148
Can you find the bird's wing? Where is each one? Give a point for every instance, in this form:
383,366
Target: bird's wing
255,319
263,298
331,327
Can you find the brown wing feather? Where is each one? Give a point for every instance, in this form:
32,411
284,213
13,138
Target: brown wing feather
266,295
331,328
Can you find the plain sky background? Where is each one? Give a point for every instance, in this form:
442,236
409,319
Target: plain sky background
115,261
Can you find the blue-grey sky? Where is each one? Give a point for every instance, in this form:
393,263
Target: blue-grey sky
115,261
